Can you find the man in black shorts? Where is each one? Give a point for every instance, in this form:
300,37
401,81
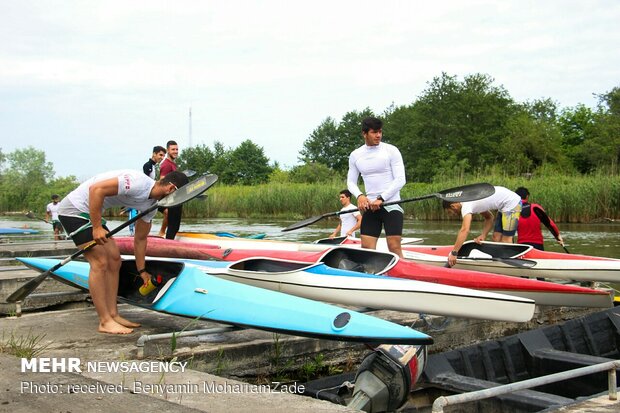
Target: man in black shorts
383,171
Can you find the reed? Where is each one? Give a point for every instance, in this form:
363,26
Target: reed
567,198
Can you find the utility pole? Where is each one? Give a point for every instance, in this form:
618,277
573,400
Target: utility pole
190,126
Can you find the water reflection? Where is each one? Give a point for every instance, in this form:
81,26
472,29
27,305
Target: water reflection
600,239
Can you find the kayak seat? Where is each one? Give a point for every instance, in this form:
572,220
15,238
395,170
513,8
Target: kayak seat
354,259
267,265
130,282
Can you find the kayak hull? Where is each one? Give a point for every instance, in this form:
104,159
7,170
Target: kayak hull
375,262
320,282
189,292
547,264
18,231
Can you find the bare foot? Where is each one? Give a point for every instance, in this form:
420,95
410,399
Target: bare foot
161,234
124,322
112,327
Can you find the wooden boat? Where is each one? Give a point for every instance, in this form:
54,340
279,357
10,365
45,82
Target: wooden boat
501,258
384,263
187,291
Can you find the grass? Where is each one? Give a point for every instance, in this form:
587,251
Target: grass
569,198
23,346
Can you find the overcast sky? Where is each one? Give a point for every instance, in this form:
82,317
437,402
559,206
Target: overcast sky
96,84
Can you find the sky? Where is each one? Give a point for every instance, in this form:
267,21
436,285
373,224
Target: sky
97,84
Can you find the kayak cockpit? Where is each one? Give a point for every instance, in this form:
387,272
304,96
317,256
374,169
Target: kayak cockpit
165,272
494,249
360,260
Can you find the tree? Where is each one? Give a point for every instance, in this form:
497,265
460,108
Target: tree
465,121
331,144
197,158
28,181
312,173
246,165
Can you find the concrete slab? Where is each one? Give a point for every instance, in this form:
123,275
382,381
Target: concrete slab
72,333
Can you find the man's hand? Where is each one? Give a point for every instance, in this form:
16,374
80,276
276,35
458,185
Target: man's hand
362,203
99,235
451,260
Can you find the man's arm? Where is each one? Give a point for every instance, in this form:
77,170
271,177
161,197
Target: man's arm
357,225
352,178
96,195
486,228
398,171
460,238
548,222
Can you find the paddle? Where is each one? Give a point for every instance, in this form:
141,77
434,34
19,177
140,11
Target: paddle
515,262
31,215
178,197
544,218
458,194
330,241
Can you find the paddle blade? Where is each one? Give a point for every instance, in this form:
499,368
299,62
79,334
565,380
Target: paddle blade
189,191
466,193
304,223
24,291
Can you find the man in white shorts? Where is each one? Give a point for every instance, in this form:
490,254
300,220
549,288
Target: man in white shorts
80,214
508,205
349,222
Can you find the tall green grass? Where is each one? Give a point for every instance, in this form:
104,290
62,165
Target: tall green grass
566,198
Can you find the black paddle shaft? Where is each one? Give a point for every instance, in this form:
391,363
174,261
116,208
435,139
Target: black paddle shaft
459,194
178,197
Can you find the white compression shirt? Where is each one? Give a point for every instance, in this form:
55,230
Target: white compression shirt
382,170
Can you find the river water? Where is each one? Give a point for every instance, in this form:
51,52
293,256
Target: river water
601,239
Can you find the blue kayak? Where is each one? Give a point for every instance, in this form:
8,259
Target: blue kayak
187,291
231,235
18,231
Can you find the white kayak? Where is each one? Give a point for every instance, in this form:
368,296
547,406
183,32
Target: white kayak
519,260
318,281
268,244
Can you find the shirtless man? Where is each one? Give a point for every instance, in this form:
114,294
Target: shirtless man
80,214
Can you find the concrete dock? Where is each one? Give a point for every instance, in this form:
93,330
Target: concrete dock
233,355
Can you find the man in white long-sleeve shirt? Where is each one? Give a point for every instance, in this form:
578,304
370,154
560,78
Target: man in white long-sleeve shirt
383,172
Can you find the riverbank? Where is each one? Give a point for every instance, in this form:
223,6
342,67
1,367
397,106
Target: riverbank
575,199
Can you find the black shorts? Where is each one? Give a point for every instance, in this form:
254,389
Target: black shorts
57,225
372,222
73,223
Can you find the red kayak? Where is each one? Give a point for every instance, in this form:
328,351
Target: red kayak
374,262
510,259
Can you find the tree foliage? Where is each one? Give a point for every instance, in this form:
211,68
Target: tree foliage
243,165
27,182
331,142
